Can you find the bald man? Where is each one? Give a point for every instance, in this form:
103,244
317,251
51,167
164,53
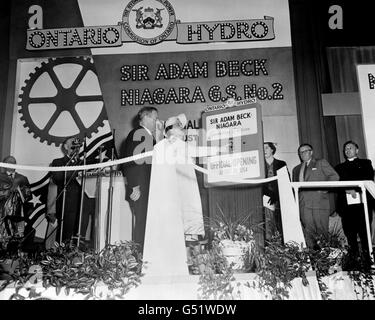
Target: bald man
314,203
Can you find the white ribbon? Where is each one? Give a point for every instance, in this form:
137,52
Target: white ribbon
82,167
121,161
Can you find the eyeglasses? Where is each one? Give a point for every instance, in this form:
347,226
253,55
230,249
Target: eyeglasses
304,151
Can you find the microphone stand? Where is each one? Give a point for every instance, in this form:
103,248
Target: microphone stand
98,204
110,203
75,153
83,185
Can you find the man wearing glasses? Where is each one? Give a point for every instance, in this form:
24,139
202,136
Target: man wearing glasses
313,203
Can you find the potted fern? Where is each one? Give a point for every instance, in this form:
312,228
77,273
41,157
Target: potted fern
234,236
108,274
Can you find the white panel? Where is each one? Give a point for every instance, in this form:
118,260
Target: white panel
109,12
367,93
343,103
292,229
22,140
121,226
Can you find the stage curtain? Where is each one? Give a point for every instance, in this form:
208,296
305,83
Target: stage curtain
311,79
4,66
237,202
342,63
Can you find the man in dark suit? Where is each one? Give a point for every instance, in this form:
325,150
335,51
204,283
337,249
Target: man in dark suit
70,148
139,140
352,214
271,192
314,204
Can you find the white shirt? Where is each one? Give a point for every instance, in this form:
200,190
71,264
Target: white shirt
146,130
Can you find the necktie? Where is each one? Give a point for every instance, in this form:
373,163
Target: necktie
302,172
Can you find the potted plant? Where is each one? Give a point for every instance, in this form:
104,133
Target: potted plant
235,237
107,274
281,263
216,275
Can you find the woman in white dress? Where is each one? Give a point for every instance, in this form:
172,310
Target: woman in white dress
174,207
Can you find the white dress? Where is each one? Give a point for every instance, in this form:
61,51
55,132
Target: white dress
174,208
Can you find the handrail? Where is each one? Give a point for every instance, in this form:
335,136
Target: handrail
328,184
363,184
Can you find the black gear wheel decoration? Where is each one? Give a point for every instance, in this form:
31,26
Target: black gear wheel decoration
65,100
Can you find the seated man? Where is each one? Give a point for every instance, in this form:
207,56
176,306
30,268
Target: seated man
14,192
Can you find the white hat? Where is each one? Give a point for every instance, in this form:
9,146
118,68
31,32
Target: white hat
173,120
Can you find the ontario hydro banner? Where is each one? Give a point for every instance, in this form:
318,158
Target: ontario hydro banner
86,67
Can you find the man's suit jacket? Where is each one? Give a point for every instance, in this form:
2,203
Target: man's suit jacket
8,185
317,170
270,189
73,188
137,172
58,176
19,180
358,169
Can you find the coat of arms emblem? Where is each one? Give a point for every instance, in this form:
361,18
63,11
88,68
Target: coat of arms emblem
148,18
149,22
